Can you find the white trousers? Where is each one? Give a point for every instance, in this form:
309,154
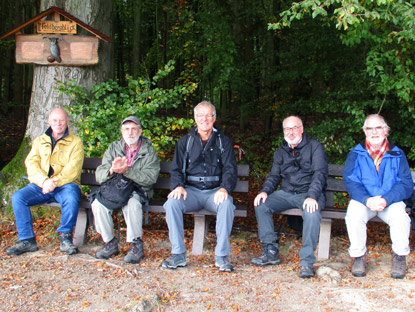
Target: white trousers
394,215
133,216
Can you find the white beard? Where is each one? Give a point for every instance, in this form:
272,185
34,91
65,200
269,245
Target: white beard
376,141
296,141
131,141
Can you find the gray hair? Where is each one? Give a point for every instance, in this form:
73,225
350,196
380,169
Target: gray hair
301,122
375,116
205,103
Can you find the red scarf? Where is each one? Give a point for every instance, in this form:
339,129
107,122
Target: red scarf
377,154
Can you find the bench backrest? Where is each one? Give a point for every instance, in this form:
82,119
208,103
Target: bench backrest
334,183
163,181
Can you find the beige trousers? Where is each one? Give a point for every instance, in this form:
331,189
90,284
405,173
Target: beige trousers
133,215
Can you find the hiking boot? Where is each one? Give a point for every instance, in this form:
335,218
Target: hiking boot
398,266
22,246
136,252
66,244
110,249
269,257
175,261
223,264
359,266
306,272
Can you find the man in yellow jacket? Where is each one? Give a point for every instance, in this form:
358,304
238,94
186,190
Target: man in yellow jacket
54,167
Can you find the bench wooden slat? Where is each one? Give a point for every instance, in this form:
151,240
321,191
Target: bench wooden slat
336,170
335,185
91,163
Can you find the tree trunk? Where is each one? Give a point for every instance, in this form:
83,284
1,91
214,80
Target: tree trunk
46,79
136,52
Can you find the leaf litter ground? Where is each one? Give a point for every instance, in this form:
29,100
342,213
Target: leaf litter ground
48,280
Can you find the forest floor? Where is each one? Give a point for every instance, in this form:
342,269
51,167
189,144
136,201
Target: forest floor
48,280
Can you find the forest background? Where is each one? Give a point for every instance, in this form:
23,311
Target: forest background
329,62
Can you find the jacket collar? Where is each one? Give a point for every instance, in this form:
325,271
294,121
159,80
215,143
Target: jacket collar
48,132
393,149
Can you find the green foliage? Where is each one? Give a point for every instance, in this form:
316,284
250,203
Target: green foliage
384,32
97,112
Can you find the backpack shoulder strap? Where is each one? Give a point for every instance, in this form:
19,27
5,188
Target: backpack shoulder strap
189,145
219,143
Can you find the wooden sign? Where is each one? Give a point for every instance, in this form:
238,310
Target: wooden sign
55,49
56,27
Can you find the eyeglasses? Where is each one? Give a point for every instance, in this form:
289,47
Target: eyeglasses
294,129
205,116
371,129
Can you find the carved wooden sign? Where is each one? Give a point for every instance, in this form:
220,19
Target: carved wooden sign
55,42
55,49
56,27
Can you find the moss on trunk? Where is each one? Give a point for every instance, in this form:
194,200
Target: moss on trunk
11,176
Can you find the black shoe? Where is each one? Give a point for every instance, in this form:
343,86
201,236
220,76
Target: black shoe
398,266
22,246
359,266
175,261
306,272
66,244
136,252
110,249
223,264
269,257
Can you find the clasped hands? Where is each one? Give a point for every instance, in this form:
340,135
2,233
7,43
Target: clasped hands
376,203
119,165
49,185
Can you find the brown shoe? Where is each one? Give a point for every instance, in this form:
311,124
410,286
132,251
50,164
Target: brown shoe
398,266
359,266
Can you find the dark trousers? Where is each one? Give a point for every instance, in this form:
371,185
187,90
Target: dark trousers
279,201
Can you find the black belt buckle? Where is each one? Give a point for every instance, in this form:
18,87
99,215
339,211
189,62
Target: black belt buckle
201,179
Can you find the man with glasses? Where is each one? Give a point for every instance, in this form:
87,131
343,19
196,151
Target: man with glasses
300,168
378,179
203,175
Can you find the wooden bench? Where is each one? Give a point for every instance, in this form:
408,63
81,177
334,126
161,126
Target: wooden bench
334,185
163,183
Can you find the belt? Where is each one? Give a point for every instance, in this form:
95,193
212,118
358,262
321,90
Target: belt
203,179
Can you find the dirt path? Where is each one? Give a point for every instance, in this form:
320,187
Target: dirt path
49,281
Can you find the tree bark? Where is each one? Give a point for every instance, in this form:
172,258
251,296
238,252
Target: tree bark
46,79
136,51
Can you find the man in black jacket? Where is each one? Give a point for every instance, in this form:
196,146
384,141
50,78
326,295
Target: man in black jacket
203,175
300,168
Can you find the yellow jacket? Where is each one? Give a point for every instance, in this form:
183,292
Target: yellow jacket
66,159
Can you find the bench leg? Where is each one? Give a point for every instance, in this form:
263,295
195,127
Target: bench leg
324,240
199,234
80,228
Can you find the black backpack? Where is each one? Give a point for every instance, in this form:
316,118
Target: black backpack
116,191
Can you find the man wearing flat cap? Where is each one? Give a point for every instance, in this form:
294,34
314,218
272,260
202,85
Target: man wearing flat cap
135,158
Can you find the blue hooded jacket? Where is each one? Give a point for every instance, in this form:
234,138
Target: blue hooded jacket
393,182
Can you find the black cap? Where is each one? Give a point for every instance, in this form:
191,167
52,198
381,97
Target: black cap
132,119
